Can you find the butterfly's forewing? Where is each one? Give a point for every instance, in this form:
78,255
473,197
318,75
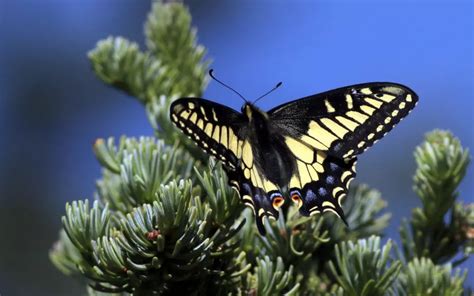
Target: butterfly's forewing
345,121
325,132
220,131
213,127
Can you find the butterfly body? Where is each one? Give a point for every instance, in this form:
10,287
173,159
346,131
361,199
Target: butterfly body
307,147
271,154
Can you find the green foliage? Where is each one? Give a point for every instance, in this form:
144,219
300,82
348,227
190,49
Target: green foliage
272,278
172,64
165,221
171,39
441,227
364,268
135,170
423,277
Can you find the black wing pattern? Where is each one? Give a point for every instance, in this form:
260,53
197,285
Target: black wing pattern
345,121
220,131
326,131
213,127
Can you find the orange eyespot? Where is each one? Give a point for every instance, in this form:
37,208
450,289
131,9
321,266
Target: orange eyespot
278,202
297,199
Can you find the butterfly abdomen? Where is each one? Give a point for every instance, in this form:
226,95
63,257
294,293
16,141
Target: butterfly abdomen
274,161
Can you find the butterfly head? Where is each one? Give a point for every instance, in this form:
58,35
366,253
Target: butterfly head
248,110
254,114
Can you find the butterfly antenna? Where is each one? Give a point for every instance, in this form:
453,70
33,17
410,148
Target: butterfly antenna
276,86
213,77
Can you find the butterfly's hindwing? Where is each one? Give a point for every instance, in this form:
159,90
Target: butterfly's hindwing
346,121
262,196
320,181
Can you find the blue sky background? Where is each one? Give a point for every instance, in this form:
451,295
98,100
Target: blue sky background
52,107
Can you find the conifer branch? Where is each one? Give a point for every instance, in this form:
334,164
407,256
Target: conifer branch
442,163
171,38
422,277
173,64
365,269
135,169
272,278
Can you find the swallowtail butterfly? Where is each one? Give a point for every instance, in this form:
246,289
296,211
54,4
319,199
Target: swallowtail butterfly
307,147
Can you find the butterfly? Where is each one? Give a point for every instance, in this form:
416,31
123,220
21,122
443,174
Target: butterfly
306,148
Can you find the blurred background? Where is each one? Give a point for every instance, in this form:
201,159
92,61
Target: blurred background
52,107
